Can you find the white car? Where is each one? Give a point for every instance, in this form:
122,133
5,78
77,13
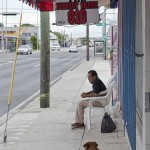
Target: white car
55,47
73,48
24,49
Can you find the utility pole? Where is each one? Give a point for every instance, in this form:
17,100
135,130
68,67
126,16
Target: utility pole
87,42
45,60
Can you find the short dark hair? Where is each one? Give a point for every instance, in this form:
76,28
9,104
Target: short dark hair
93,73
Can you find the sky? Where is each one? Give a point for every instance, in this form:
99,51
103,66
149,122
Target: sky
32,16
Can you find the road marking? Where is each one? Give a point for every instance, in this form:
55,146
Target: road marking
39,64
9,62
36,66
53,60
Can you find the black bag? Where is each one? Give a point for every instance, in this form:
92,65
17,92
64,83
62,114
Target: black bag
107,124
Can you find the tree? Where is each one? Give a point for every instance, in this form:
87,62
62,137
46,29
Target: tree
33,40
61,37
27,25
83,40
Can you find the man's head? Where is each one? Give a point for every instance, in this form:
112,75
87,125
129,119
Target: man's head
92,75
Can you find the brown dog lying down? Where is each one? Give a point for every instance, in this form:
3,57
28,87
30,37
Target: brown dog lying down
90,146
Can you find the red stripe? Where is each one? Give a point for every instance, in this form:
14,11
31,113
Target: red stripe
43,5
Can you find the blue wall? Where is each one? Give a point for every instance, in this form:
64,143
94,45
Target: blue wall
127,67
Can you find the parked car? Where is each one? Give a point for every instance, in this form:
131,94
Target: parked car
24,49
55,47
73,48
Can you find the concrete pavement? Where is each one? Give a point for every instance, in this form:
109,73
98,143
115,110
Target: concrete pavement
34,128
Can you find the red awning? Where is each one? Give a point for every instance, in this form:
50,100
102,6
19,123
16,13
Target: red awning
42,5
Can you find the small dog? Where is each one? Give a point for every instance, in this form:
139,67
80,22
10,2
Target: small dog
90,146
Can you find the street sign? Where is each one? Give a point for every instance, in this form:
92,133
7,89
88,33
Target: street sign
100,24
1,25
76,12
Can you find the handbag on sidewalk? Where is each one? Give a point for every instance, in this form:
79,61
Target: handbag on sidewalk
107,124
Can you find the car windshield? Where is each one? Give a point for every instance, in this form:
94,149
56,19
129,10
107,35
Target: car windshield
23,46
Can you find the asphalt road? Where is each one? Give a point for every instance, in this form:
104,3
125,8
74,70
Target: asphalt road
27,75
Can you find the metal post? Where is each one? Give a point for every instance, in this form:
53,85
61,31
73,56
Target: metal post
37,47
45,60
61,38
71,38
2,31
6,27
112,42
87,41
104,30
64,36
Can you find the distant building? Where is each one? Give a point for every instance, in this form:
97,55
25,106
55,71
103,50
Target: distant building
11,34
25,34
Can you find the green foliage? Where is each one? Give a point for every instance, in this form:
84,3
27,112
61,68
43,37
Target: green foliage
33,40
27,25
61,37
83,40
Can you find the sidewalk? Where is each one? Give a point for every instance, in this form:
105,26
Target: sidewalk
34,128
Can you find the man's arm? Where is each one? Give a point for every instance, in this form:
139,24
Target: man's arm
89,94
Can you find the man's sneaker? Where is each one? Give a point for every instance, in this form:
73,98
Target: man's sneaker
77,125
74,124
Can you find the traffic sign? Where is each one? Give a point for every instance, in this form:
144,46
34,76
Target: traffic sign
100,24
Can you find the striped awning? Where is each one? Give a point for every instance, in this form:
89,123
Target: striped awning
42,5
48,5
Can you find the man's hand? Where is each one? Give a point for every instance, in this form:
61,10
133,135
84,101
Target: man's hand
83,95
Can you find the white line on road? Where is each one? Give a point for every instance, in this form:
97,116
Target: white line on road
53,60
8,62
36,66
